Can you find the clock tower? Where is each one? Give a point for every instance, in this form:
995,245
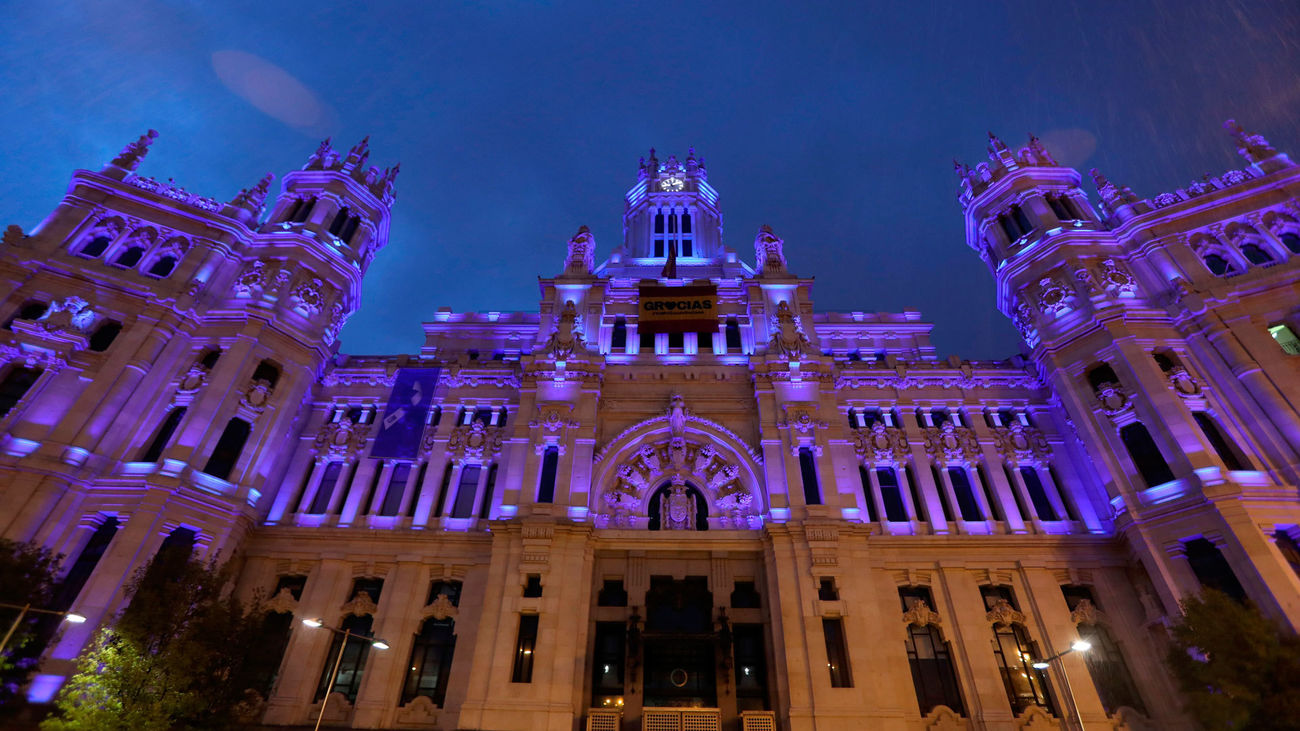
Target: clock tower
672,203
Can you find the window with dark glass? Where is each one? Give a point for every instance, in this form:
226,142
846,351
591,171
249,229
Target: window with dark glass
733,335
812,492
647,341
612,594
1106,666
745,595
1146,456
1038,494
348,679
1015,655
1292,242
750,662
17,382
1289,547
676,341
550,464
267,371
618,341
837,656
302,210
607,660
1222,447
930,657
922,509
130,257
865,479
321,501
891,494
340,220
96,247
163,266
1212,568
85,564
229,446
942,493
443,488
1218,265
163,436
395,489
826,590
104,336
524,646
431,656
533,585
1255,255
961,487
465,492
485,507
987,487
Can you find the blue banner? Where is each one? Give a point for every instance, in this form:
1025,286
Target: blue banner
398,434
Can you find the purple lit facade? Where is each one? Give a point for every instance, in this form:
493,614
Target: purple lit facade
559,520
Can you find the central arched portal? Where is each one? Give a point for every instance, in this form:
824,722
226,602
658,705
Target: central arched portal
678,506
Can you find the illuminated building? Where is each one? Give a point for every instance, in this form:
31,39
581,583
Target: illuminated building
676,486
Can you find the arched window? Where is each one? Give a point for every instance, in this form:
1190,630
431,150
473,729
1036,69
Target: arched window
340,220
1218,265
933,675
1292,242
1146,456
431,656
1212,569
104,336
348,678
228,449
1227,451
129,258
164,435
1110,674
267,371
656,506
1015,654
1255,255
1100,375
96,246
31,310
163,266
17,382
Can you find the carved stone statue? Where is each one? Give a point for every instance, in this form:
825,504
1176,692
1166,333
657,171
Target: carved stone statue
769,252
581,257
788,341
564,341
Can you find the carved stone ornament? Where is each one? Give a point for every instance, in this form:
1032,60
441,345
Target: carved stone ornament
1183,383
13,236
881,444
1116,280
1085,613
283,602
68,314
338,318
769,251
920,614
193,379
677,507
787,340
1112,398
341,438
1053,298
361,605
441,608
678,459
1003,613
801,420
1023,318
251,279
581,257
474,442
257,394
254,199
564,341
553,418
951,443
1019,443
307,297
131,155
1253,147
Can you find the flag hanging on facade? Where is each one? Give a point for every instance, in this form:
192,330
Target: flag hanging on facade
398,433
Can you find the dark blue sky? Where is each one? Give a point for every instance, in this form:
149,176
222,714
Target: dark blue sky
516,122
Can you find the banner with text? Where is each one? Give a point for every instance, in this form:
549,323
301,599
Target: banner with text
677,309
398,433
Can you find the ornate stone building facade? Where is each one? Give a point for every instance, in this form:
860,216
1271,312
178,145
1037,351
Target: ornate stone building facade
676,496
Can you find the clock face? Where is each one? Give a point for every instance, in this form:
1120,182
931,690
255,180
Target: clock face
672,185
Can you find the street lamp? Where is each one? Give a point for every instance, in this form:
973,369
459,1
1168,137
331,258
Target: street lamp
23,609
1045,663
347,634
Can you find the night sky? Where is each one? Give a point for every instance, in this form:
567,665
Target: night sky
516,122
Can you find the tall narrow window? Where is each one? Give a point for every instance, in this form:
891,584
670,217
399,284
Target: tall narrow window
550,464
1038,494
943,494
891,494
443,488
85,564
612,594
302,212
1015,654
961,487
524,647
930,657
1225,449
1110,674
340,220
688,238
395,489
647,341
485,508
1150,463
618,341
659,234
164,435
104,336
464,505
17,382
329,480
987,487
350,229
733,335
812,492
837,656
1022,220
1212,569
431,656
607,662
267,371
229,447
348,679
750,662
865,479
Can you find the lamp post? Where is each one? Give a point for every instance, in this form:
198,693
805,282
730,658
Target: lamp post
23,609
347,635
1045,663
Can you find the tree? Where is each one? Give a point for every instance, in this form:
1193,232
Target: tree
27,576
1238,670
181,656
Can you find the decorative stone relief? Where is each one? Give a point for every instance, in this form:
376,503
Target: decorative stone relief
581,258
338,318
677,507
441,608
920,614
1018,443
769,251
553,416
1023,318
307,297
1116,280
68,314
679,459
256,395
564,341
251,280
951,443
341,438
1003,613
361,605
1183,383
1113,399
1053,297
131,155
1085,613
788,341
193,379
283,602
474,442
881,444
800,420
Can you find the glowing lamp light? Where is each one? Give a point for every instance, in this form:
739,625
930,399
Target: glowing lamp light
312,622
379,645
1081,646
73,618
1040,665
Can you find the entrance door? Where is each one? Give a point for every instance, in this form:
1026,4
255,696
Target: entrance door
678,644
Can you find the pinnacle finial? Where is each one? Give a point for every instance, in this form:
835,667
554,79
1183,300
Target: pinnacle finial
1253,147
131,155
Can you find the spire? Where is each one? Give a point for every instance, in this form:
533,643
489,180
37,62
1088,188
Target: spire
1038,155
254,199
996,145
1253,147
357,156
131,155
322,158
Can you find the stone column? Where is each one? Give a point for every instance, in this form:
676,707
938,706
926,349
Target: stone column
971,634
1050,614
304,656
363,475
